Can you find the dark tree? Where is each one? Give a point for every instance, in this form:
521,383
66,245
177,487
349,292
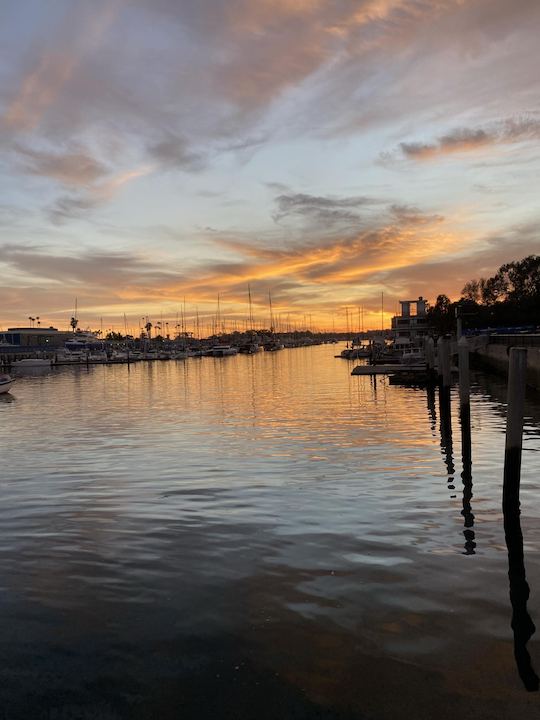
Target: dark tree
510,297
442,315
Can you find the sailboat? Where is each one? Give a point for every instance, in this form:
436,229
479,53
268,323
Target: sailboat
251,346
273,344
221,349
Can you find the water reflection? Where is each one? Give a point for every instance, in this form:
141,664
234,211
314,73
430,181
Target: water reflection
522,625
466,477
430,395
259,536
447,450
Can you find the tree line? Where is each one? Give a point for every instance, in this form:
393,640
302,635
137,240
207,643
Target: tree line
511,297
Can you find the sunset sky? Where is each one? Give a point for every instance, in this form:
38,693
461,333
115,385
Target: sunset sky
327,151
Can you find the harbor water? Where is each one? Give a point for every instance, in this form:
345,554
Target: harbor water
258,537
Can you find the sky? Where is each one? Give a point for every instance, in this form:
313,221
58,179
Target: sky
155,154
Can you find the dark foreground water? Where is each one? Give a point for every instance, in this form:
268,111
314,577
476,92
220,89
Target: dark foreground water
258,537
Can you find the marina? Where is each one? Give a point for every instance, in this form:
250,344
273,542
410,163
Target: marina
269,360
265,529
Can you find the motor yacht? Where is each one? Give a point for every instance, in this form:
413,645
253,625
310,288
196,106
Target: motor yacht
222,350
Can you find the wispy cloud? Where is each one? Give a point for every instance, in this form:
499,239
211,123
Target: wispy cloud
174,152
83,267
76,205
39,90
74,168
465,140
43,83
326,211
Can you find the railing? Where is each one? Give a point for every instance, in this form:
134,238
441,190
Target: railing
517,340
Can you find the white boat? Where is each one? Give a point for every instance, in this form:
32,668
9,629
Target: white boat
413,356
30,363
354,353
5,383
97,357
222,350
70,356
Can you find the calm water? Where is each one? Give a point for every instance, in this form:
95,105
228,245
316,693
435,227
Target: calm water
257,537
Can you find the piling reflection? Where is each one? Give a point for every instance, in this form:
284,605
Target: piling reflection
466,477
447,450
522,624
430,393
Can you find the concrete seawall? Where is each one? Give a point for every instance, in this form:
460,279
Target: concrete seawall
496,356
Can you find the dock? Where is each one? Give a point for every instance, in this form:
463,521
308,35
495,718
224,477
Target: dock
389,369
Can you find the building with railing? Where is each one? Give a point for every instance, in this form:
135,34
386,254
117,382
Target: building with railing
413,321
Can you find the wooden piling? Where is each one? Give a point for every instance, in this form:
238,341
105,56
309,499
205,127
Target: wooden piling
439,361
464,380
514,426
443,362
429,350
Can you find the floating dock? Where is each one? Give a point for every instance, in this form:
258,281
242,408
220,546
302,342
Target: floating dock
389,370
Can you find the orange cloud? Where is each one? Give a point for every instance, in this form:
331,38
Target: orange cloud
331,268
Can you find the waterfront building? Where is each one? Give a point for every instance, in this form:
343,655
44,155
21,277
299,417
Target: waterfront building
35,337
412,323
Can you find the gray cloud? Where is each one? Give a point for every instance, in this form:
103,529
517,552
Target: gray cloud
72,168
71,207
410,215
326,211
94,269
173,152
470,139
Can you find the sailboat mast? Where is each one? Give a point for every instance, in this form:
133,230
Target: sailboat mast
271,312
184,321
250,309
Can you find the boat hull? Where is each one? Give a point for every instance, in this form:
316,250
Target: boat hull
30,363
5,386
223,353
